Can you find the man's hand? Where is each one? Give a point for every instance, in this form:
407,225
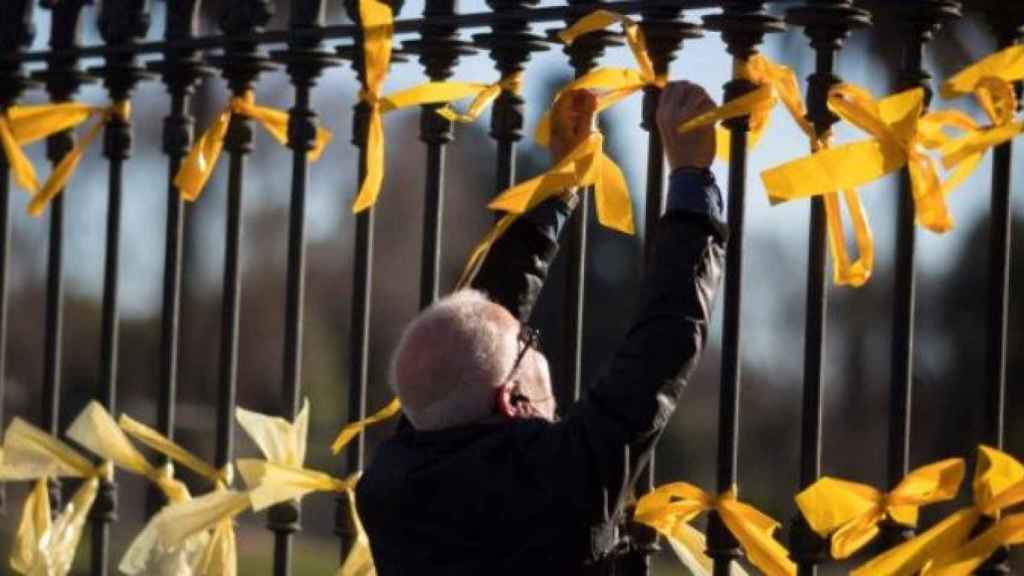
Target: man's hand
572,120
681,101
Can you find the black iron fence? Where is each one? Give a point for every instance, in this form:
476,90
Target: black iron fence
244,50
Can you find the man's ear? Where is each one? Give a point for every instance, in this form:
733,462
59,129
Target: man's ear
503,401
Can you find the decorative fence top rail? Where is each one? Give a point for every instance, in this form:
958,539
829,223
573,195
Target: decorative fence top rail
348,31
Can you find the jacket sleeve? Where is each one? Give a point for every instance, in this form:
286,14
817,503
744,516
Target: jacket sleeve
516,267
630,404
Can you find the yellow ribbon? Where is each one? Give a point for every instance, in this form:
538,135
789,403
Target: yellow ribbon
587,164
850,512
193,536
487,95
161,444
66,167
207,520
901,137
359,561
22,125
377,21
963,561
353,429
42,546
97,431
991,81
998,484
198,165
668,508
281,476
779,83
774,83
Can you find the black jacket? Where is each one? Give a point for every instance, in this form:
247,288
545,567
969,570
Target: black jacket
529,497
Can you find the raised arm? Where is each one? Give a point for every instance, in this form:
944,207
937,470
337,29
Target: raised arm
630,404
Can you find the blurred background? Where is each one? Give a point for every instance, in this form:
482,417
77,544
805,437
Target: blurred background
951,308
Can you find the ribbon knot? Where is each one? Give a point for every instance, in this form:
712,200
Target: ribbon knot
998,484
61,174
198,165
669,509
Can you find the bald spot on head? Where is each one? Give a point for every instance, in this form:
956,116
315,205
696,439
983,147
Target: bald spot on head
451,358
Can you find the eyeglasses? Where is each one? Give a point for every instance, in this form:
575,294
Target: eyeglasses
529,337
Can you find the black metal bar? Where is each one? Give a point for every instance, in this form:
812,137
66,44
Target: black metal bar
1008,23
240,66
304,60
62,79
743,26
180,71
121,22
5,251
665,31
439,50
827,24
921,20
349,31
510,44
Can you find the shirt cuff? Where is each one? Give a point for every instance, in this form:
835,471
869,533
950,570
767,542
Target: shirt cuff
694,190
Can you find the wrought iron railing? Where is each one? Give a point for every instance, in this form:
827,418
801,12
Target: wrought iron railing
239,53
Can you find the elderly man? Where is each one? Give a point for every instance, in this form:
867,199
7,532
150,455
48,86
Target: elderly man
480,477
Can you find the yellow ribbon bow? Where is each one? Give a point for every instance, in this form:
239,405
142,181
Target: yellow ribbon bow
198,165
192,537
779,83
850,512
991,81
997,485
66,167
42,546
282,475
377,22
901,137
21,125
669,508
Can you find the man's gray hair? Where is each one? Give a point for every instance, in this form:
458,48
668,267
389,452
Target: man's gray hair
451,358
